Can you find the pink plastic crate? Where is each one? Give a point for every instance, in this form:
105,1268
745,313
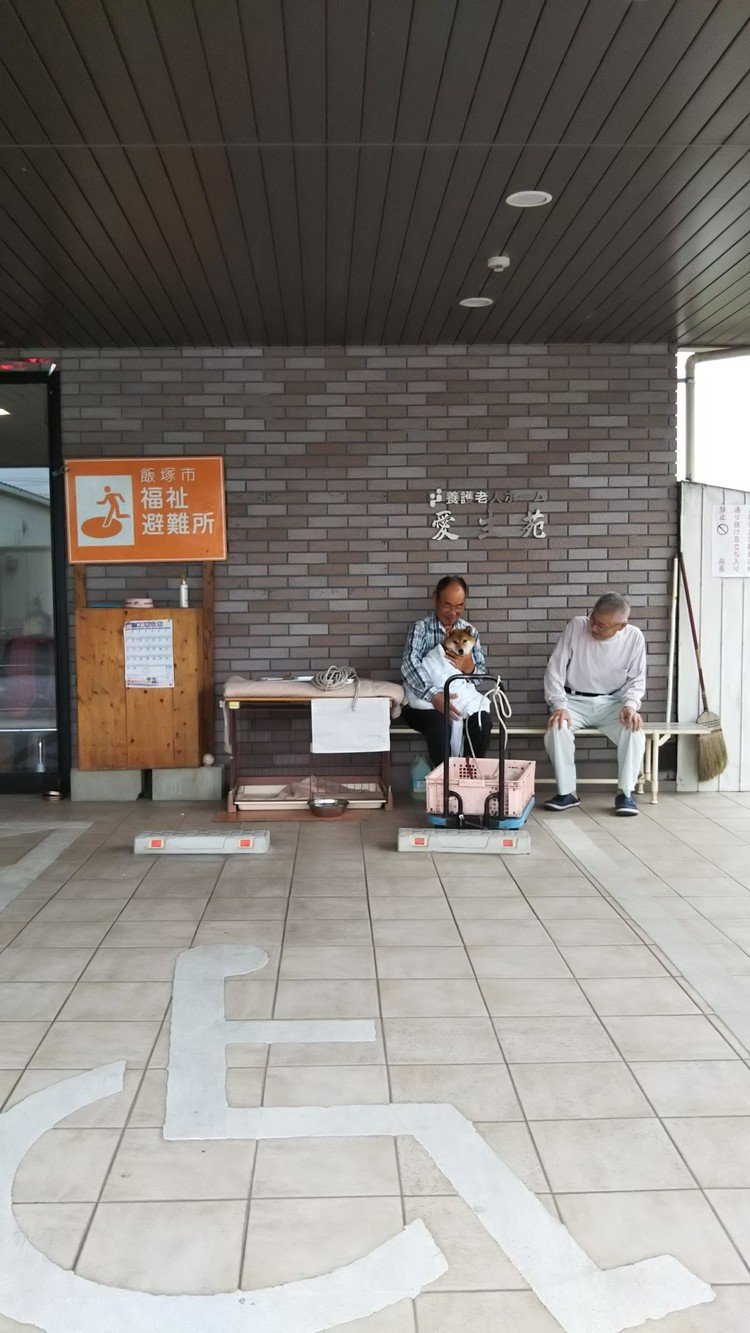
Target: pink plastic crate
473,779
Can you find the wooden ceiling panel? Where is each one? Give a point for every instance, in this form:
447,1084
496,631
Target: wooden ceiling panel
325,171
701,84
724,317
537,77
281,194
613,83
507,50
346,55
372,187
636,187
140,48
465,57
608,288
429,41
341,180
305,40
61,239
683,284
406,169
190,284
655,256
389,25
421,239
310,166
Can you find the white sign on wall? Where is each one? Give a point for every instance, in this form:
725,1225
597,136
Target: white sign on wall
730,541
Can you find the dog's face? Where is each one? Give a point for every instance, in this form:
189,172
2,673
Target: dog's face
459,642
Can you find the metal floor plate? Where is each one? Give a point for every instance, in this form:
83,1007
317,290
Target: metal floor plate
493,842
209,843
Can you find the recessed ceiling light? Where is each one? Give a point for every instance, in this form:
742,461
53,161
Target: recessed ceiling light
476,302
4,412
529,199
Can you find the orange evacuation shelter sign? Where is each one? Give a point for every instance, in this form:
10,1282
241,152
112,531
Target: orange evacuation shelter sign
136,509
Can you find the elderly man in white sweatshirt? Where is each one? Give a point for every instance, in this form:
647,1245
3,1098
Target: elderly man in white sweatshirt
596,677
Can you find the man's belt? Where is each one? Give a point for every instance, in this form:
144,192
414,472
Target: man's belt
585,694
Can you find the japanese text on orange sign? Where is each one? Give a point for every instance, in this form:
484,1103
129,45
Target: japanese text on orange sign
129,509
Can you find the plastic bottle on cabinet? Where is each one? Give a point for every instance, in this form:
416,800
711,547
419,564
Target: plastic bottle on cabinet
184,598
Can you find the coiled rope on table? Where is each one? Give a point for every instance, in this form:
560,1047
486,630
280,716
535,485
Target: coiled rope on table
335,678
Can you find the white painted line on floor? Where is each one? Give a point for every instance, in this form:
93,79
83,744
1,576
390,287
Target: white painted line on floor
196,1080
582,1297
35,1290
728,996
17,877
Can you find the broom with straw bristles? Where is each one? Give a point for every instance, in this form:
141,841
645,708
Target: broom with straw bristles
712,750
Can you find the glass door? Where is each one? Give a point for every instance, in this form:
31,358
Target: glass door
30,609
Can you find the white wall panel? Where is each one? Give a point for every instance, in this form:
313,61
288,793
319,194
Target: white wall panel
722,613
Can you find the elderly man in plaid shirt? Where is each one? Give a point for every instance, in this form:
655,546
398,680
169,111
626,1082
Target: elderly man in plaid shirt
449,601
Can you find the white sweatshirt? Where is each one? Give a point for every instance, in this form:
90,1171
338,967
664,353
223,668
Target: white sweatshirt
596,666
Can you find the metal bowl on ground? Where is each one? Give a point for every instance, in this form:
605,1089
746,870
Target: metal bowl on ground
327,807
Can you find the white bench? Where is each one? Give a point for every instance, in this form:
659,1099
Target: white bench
656,733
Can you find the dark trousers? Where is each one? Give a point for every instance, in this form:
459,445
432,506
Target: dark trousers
431,724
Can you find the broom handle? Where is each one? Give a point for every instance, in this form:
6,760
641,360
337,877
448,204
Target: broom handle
694,633
672,632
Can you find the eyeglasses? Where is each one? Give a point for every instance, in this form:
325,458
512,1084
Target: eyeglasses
603,629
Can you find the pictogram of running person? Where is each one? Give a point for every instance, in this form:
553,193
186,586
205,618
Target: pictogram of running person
113,499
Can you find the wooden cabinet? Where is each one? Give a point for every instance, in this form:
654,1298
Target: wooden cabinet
121,728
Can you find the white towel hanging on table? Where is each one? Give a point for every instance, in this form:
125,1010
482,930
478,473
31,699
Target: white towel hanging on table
337,728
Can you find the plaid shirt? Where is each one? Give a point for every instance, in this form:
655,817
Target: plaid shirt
422,638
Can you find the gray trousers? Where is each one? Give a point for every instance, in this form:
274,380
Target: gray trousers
602,711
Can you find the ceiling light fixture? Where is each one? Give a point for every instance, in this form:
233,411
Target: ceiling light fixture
498,262
529,199
477,302
4,412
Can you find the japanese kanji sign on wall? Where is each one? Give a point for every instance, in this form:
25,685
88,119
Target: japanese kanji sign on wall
493,523
730,544
145,509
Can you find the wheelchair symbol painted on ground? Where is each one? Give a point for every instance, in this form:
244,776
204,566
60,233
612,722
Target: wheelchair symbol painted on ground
582,1297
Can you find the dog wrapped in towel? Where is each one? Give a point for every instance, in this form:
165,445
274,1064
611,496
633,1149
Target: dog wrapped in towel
438,666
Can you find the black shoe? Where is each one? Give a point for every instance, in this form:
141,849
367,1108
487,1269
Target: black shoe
559,802
625,805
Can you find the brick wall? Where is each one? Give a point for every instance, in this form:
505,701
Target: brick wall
330,455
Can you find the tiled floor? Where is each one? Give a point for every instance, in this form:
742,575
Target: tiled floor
519,990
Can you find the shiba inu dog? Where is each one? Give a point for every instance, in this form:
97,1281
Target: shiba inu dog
459,643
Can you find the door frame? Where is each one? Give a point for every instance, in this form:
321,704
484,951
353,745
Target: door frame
58,780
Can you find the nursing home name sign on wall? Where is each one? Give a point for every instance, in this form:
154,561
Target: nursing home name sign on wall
145,509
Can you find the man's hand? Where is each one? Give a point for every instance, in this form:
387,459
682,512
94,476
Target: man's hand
438,702
461,661
631,718
559,718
